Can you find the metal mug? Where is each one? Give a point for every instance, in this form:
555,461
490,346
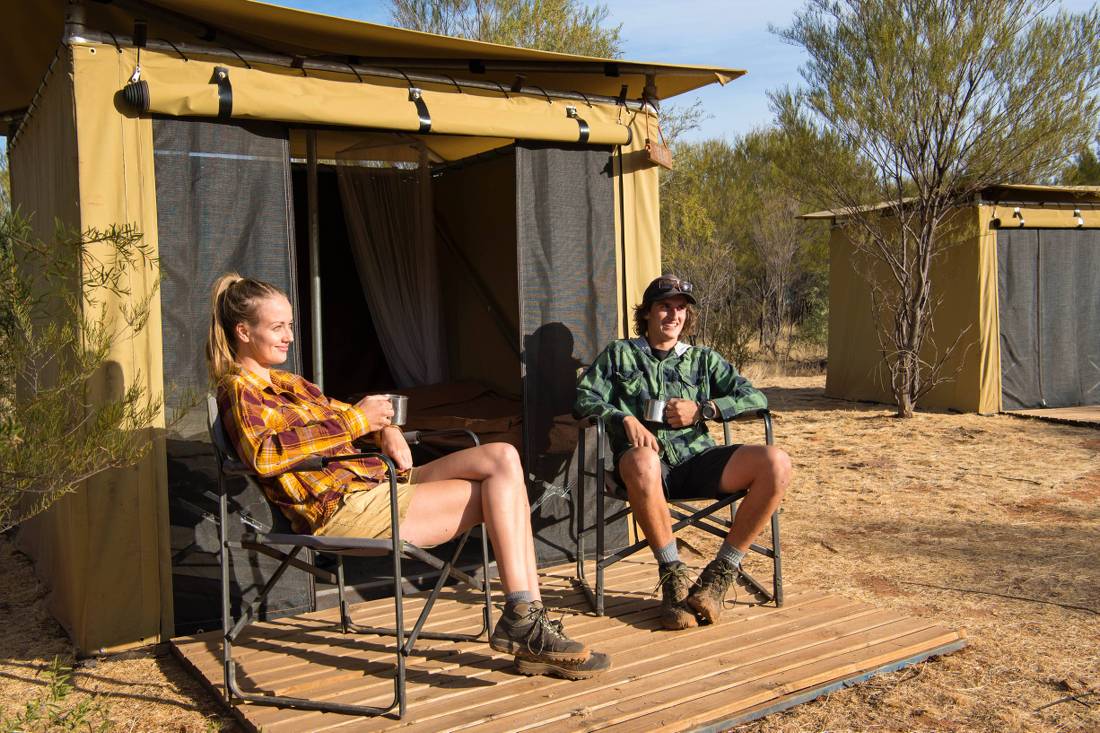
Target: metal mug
400,404
655,410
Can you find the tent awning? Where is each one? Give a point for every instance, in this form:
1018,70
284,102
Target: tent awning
201,88
32,32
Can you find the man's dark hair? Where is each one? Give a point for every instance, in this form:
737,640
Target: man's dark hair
641,314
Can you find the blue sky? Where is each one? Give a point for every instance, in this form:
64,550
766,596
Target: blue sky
725,33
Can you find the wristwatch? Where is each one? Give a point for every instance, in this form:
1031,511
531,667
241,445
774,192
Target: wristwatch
708,410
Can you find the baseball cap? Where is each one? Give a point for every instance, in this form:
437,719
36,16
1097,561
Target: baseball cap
668,286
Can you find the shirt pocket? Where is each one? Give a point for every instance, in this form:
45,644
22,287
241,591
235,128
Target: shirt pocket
685,380
632,384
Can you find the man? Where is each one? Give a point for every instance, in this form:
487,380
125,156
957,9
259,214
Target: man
679,456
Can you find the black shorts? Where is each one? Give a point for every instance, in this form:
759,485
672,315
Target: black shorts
699,477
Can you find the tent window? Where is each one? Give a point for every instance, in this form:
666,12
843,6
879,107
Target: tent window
1049,293
565,233
222,204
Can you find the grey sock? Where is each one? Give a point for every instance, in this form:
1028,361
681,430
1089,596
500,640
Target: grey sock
519,596
731,554
667,554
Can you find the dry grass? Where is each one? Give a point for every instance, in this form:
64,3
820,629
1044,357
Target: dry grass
144,690
987,523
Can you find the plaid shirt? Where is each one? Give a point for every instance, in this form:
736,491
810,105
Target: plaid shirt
627,374
274,425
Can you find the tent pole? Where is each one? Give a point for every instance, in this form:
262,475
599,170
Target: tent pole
626,333
314,260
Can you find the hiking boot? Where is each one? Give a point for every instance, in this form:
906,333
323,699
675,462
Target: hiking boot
597,663
675,583
526,631
708,594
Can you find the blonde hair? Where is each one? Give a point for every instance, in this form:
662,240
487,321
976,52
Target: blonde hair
233,299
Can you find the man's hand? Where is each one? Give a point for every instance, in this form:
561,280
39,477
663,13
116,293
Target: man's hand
681,413
638,436
393,444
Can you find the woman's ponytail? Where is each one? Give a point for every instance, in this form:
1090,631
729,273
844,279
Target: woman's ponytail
233,299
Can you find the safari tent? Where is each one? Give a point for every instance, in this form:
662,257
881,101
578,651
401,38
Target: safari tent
1020,281
442,212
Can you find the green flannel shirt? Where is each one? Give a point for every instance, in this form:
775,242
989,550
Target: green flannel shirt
627,374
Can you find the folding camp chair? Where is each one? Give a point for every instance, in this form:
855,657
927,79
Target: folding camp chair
683,515
266,542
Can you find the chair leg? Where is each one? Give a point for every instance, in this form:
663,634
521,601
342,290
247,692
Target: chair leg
601,499
777,565
486,587
578,510
227,614
447,570
341,594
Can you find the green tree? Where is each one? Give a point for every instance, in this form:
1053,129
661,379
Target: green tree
941,98
59,320
566,26
5,181
1085,168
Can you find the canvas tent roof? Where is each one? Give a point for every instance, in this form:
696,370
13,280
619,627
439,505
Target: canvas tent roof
32,32
1086,194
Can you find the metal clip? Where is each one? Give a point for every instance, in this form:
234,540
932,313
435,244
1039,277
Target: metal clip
571,111
136,76
415,93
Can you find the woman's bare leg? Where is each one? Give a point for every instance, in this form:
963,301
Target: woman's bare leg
486,484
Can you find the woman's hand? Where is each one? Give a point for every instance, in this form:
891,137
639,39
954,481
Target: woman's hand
377,409
392,442
681,413
638,436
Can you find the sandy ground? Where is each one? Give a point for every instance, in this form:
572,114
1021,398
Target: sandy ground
986,523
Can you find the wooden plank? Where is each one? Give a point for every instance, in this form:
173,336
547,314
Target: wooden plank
478,653
681,715
758,658
515,691
274,674
1085,415
637,688
836,685
471,663
425,648
774,675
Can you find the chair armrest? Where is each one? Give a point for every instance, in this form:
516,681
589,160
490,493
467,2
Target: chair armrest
756,414
588,421
413,437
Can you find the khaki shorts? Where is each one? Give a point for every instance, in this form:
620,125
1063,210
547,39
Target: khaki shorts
366,514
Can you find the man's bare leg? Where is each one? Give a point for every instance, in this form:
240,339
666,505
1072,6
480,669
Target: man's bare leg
640,469
641,472
765,472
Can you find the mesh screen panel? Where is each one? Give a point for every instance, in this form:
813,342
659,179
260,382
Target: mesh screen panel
565,231
1049,293
223,196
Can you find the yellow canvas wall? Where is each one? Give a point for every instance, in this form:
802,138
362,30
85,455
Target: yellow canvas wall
104,549
856,370
966,277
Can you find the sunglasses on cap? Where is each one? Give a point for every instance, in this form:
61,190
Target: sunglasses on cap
665,284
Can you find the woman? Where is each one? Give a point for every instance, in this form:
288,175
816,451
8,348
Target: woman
274,418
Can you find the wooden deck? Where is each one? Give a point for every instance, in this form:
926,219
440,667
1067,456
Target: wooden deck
757,660
1085,415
